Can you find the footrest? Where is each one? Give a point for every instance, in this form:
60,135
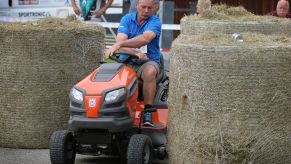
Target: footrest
155,126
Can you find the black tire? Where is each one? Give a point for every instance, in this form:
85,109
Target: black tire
139,150
62,148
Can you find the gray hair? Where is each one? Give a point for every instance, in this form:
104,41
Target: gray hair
206,4
287,2
138,1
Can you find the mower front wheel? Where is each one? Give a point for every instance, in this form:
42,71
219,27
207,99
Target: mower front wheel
139,149
62,148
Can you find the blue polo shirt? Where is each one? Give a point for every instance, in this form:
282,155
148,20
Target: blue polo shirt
130,27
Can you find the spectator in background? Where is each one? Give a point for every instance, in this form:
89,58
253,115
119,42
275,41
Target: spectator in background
87,5
133,6
282,10
202,6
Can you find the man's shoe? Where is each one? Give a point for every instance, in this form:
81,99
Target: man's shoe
148,124
147,120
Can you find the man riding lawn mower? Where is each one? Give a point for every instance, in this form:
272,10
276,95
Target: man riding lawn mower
107,108
106,111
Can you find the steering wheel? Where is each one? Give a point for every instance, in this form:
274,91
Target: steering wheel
129,58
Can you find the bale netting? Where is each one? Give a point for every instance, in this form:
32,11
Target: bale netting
230,101
227,20
40,62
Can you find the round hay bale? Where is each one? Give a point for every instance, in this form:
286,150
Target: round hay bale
40,62
229,101
228,20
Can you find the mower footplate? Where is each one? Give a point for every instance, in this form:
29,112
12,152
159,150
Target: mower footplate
155,126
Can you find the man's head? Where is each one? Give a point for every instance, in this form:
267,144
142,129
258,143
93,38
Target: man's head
203,5
145,9
282,8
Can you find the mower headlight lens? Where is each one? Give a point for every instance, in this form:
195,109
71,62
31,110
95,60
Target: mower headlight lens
114,95
77,95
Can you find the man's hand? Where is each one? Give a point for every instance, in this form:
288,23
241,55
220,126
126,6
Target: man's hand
142,56
111,50
77,11
99,12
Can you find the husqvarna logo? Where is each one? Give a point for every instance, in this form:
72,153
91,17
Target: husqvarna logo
92,102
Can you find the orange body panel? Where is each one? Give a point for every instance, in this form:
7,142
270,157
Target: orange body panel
132,103
92,105
123,78
160,117
94,90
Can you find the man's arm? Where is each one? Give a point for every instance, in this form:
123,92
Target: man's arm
103,9
138,41
122,38
75,7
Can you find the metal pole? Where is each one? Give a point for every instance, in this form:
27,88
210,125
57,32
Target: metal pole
167,17
110,29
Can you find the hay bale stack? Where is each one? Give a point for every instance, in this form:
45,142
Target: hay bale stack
230,101
40,62
228,20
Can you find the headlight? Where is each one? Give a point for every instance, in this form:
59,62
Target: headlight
114,95
77,95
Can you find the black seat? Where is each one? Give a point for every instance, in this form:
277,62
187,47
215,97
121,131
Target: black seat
162,74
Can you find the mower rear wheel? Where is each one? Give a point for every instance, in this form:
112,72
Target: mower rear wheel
62,148
139,149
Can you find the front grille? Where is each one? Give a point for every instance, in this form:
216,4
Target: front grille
115,114
113,105
77,105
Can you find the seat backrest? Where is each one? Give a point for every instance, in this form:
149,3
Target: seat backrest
161,96
162,74
162,61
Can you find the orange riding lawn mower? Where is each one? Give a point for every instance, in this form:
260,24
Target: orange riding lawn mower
106,117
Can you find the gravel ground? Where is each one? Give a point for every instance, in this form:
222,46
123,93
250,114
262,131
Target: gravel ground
41,156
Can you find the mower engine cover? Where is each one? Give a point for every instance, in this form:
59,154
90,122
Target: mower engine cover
106,99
